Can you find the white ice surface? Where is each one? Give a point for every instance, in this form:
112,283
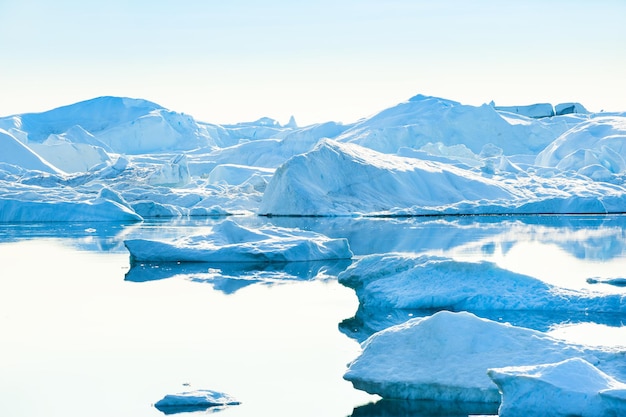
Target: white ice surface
424,156
407,281
572,387
446,357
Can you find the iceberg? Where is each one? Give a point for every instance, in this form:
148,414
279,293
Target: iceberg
572,387
596,142
446,356
16,153
427,156
230,242
197,400
345,179
107,206
339,179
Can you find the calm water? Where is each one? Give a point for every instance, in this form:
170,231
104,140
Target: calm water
83,335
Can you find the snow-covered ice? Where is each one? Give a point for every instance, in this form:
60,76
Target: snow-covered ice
572,387
197,400
231,242
446,356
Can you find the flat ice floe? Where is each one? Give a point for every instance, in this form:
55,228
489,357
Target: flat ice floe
197,400
405,281
230,242
573,387
445,357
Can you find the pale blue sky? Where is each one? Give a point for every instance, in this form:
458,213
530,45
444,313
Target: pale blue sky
228,61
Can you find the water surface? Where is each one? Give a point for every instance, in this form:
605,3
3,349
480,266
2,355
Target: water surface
82,334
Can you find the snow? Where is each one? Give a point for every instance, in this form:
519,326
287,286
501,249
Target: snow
231,242
197,400
567,388
445,357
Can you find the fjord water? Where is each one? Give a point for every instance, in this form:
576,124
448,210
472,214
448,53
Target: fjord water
84,334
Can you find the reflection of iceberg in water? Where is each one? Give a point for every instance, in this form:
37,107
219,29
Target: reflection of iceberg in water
418,408
585,237
230,277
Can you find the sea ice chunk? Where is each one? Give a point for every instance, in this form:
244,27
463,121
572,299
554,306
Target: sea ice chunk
194,401
572,387
446,356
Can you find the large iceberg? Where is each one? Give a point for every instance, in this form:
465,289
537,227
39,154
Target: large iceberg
446,356
572,387
230,242
347,179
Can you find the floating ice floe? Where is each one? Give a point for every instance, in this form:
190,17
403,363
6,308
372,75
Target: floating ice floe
230,242
572,387
446,356
194,401
405,281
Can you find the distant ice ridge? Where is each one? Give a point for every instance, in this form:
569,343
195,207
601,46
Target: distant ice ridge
423,119
446,356
230,242
572,387
425,156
